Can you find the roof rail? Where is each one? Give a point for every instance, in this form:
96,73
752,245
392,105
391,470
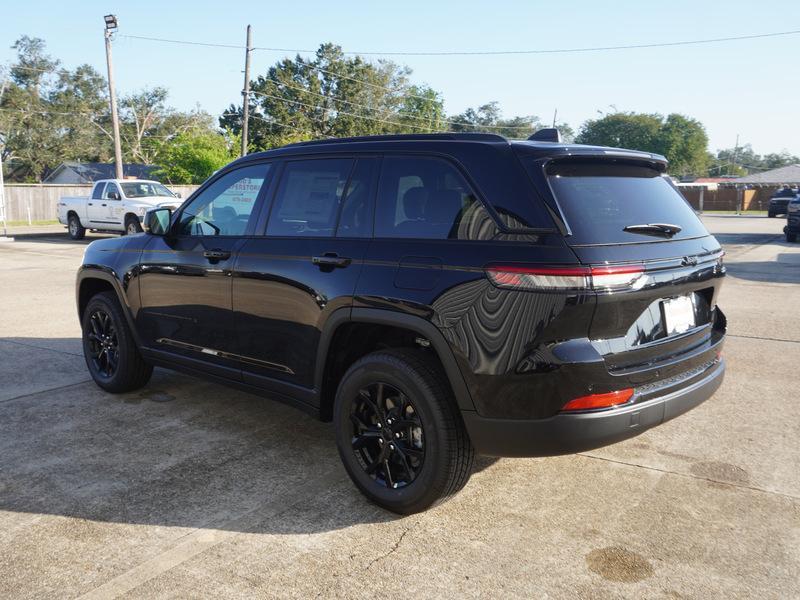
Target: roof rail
478,137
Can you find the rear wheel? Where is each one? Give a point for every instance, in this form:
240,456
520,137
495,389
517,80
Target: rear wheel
399,432
132,225
74,228
771,215
111,354
791,237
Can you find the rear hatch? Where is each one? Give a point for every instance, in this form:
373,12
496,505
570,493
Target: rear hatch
656,316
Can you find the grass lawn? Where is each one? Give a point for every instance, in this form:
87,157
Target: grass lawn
26,224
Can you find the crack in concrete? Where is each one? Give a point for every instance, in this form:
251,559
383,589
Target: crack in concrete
12,341
691,476
766,339
394,547
55,389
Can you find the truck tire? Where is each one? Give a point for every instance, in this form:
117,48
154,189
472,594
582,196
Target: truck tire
75,230
110,351
132,225
791,237
399,431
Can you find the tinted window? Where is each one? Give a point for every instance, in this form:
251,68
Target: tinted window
307,202
224,208
428,198
599,200
355,219
97,193
110,189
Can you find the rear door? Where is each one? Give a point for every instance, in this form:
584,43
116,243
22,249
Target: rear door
302,266
626,217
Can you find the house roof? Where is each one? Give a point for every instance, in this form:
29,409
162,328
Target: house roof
789,174
89,172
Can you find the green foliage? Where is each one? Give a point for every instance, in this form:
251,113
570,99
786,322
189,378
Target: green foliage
193,155
331,95
743,161
50,115
682,140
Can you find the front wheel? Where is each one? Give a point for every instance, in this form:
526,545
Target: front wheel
132,225
75,229
111,354
399,432
791,237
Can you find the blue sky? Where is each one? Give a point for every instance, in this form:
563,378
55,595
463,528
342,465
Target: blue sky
750,88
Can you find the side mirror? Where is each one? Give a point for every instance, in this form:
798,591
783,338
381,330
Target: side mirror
177,194
113,195
156,221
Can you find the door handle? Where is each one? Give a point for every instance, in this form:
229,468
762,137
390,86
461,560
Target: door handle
217,254
331,259
90,204
104,204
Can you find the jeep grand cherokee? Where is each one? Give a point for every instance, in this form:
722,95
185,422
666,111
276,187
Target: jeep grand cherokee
435,296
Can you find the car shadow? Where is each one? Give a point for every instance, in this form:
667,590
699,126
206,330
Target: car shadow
785,269
180,452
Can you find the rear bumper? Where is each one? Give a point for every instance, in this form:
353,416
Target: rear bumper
570,433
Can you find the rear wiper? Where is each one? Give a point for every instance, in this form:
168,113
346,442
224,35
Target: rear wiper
665,229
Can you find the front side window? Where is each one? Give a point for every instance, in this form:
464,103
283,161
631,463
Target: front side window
308,197
111,189
425,197
225,207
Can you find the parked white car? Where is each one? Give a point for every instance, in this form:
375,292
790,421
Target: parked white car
116,205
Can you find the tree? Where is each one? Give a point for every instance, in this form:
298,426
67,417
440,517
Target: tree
682,140
331,95
743,161
486,118
193,155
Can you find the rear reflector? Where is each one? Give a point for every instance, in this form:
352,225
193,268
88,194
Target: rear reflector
599,400
565,278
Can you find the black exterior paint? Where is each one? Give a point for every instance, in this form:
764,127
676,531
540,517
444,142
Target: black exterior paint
263,318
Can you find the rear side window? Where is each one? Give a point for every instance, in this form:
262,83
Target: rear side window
308,198
97,193
426,197
600,200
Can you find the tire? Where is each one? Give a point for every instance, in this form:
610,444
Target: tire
75,230
132,225
398,404
112,357
791,237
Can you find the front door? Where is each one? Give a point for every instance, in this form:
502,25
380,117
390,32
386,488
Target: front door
185,277
99,210
290,280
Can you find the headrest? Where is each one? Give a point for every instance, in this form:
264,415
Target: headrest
414,202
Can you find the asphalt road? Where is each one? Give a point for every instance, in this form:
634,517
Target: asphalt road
188,489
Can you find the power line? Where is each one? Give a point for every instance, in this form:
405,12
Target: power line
488,52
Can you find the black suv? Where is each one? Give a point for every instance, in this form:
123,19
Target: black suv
435,296
779,201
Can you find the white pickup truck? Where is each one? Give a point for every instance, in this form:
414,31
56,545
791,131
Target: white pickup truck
117,205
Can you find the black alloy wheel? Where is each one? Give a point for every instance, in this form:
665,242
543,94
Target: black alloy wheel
113,360
387,435
399,432
103,343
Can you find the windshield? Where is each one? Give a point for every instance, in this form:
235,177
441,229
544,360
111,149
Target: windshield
600,200
143,189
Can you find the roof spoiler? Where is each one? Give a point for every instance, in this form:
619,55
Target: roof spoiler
549,134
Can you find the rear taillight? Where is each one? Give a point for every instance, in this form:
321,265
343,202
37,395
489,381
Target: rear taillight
594,401
609,277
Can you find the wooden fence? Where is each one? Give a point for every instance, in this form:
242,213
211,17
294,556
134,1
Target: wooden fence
728,197
29,202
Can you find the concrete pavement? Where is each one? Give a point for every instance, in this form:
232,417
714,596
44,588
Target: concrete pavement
189,489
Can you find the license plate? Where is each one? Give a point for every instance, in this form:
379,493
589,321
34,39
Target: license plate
679,314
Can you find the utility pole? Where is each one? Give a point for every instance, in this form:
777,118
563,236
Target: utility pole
555,114
246,92
2,184
111,27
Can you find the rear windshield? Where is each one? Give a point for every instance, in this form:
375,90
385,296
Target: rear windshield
600,200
